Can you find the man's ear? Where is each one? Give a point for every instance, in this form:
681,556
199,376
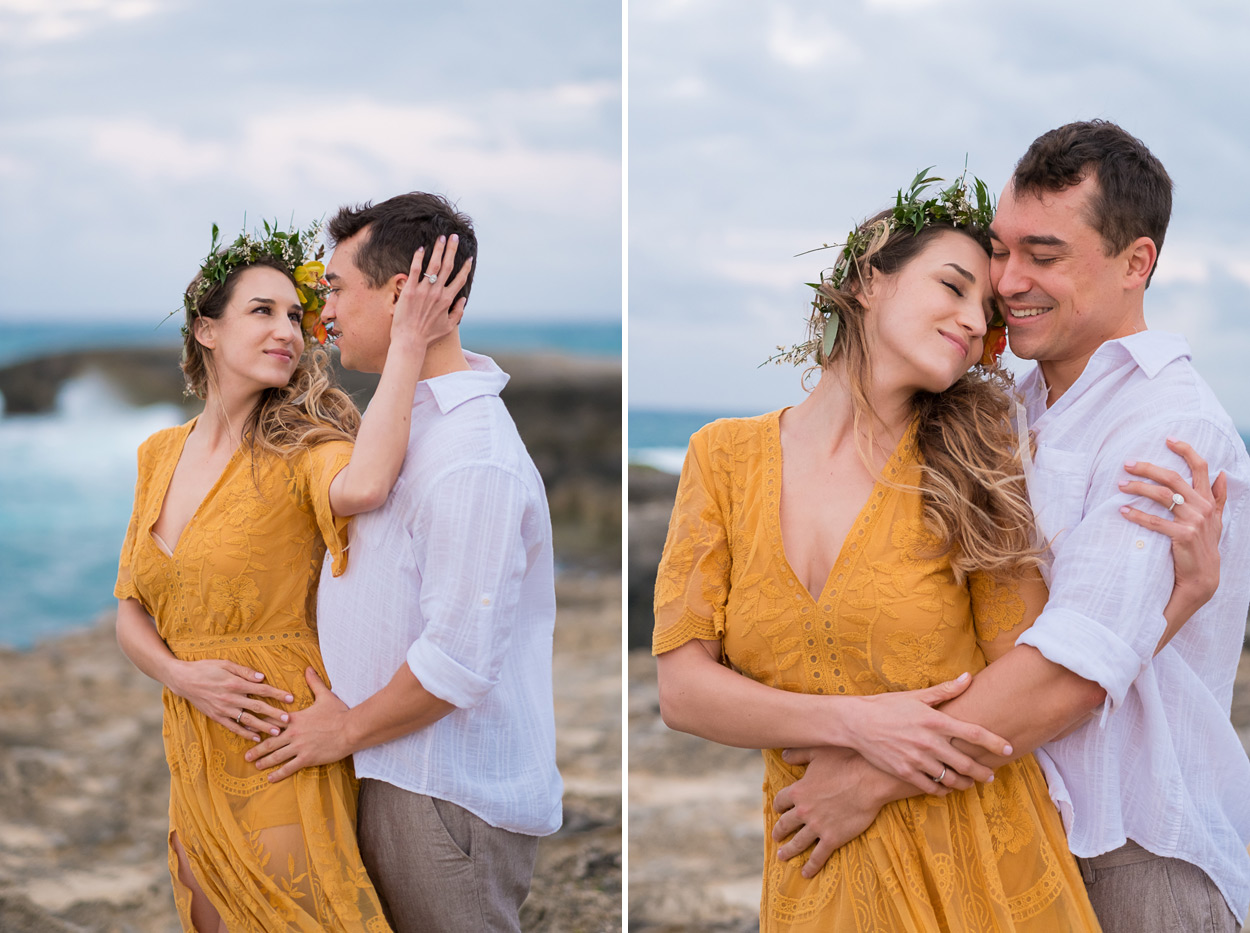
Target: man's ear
396,285
1141,256
202,330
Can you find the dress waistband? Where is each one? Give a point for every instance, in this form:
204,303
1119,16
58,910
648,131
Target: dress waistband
236,640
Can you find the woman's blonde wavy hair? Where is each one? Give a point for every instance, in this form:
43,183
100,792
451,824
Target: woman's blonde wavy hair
308,410
972,486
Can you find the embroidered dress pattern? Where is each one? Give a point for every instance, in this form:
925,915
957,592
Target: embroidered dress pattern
241,584
890,617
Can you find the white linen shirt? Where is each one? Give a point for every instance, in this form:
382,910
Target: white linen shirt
1162,764
454,576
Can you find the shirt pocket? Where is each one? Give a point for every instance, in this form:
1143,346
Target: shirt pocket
1058,492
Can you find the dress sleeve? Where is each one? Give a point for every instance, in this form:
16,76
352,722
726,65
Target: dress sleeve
124,588
318,466
692,581
1003,607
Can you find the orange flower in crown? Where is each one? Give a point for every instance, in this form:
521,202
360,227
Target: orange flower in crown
311,288
995,341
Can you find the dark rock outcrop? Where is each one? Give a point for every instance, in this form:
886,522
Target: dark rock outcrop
567,409
651,495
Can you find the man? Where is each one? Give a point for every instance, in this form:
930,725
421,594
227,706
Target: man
1153,788
438,637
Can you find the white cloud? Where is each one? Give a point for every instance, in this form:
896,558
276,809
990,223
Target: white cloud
904,5
12,167
665,10
151,152
359,144
41,21
686,87
806,42
1240,270
587,95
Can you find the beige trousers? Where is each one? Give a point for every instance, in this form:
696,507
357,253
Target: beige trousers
1135,891
437,867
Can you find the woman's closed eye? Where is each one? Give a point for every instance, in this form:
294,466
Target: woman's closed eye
953,287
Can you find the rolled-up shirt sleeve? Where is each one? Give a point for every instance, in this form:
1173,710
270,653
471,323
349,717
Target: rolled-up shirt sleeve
468,541
1111,578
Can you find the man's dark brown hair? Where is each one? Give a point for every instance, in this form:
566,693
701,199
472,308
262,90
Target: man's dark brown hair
1134,196
396,228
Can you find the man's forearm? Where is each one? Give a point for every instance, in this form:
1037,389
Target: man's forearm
1026,699
401,707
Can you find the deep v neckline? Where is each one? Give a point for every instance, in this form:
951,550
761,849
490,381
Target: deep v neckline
864,518
168,481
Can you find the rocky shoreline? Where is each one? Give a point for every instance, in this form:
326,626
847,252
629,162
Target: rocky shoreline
84,787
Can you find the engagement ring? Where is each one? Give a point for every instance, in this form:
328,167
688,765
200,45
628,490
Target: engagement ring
431,277
1177,499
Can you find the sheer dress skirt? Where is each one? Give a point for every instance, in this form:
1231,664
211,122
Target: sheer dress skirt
268,856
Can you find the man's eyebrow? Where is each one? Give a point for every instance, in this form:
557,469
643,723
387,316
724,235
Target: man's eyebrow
1033,239
331,276
964,272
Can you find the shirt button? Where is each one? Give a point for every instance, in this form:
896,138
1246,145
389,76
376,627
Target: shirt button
1140,544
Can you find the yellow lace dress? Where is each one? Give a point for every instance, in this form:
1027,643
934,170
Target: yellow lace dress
242,585
992,858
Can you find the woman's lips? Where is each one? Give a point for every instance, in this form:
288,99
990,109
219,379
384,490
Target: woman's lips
960,345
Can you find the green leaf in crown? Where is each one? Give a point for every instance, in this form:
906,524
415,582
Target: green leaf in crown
300,251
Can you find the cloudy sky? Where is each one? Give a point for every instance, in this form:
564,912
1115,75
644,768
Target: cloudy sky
127,127
759,130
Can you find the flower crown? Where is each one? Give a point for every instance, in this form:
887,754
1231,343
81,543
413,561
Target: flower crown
298,250
953,205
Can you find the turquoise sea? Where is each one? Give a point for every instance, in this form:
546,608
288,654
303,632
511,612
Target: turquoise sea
658,438
67,477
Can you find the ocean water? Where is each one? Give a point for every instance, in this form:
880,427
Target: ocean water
581,338
67,478
66,482
658,438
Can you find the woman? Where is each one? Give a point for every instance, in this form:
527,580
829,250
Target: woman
850,552
233,514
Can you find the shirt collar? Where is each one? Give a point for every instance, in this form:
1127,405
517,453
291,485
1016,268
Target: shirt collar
1150,351
450,390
